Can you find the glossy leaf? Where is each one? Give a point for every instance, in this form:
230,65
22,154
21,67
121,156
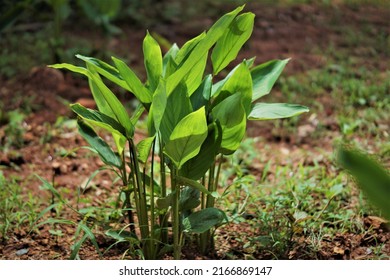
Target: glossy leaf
202,94
212,36
230,43
133,82
271,111
203,220
169,63
187,48
239,82
157,108
73,68
197,167
106,154
231,115
187,138
106,70
153,61
115,105
265,75
371,177
99,119
178,106
144,147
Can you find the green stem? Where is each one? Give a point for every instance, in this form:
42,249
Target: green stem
175,215
163,184
143,209
152,208
127,204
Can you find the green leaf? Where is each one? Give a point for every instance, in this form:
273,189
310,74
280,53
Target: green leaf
73,68
197,167
271,111
203,220
144,147
265,75
371,177
157,108
189,199
99,119
133,82
177,106
187,48
230,43
231,115
169,64
105,152
240,81
212,36
202,94
114,104
196,185
187,138
106,70
153,61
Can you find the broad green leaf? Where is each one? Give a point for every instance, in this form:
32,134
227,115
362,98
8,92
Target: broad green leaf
197,167
178,106
144,147
196,185
217,87
371,177
99,119
133,82
187,138
271,111
169,64
106,70
157,108
240,81
187,48
194,77
265,75
212,36
153,61
202,94
189,199
114,104
231,115
105,152
230,43
203,220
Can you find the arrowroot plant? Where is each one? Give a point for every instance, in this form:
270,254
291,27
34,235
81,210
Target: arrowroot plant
170,179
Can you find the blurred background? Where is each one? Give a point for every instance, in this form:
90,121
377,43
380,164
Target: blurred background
339,68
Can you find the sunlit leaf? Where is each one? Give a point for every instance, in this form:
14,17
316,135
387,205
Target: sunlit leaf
230,43
153,61
133,82
187,138
270,111
265,75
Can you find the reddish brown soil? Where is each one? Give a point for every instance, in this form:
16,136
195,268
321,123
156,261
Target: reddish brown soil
279,33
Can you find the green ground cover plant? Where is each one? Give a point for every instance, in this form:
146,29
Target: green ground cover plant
193,122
